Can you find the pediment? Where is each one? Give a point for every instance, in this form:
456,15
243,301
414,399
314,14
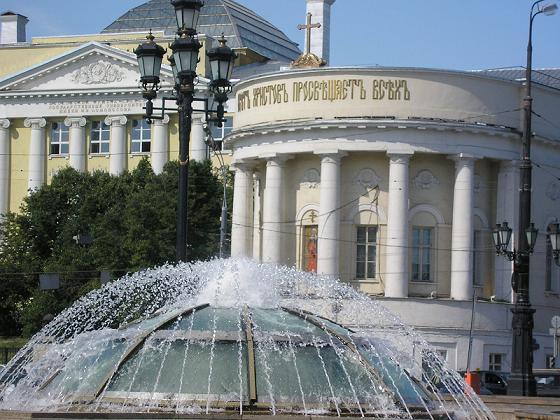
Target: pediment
92,66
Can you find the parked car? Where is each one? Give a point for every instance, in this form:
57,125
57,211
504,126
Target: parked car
495,382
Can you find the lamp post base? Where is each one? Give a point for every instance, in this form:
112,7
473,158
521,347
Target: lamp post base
521,381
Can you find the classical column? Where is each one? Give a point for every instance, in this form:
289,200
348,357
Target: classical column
507,210
257,239
77,142
273,210
242,211
396,250
117,149
160,144
37,152
328,245
462,230
198,146
4,166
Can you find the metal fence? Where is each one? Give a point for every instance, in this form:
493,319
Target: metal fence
6,354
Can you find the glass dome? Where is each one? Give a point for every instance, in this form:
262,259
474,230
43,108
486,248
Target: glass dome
212,358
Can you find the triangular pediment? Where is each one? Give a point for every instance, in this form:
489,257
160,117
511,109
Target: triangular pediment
91,67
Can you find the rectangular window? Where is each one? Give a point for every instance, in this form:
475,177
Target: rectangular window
421,254
366,252
309,248
552,271
59,139
218,133
496,361
141,136
100,135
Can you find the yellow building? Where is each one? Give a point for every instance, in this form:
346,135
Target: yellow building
75,100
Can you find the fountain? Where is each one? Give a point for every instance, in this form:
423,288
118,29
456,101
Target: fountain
230,337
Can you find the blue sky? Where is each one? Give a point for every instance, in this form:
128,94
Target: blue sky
453,34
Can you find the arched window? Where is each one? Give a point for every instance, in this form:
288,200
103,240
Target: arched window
424,220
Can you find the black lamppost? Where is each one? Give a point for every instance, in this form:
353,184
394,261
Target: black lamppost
184,61
522,381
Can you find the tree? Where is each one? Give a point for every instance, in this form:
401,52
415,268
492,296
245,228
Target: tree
131,219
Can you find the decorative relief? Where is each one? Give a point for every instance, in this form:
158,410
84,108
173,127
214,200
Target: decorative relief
367,178
425,180
97,74
311,178
553,191
477,183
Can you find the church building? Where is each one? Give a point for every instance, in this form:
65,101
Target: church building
390,179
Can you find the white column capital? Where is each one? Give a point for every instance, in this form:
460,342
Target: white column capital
463,159
4,123
510,165
242,165
332,155
35,123
276,158
75,122
116,120
163,121
402,158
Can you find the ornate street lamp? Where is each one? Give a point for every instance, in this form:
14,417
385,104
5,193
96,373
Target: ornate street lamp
184,61
501,235
521,380
554,238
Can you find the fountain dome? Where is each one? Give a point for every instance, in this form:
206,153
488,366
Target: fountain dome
210,341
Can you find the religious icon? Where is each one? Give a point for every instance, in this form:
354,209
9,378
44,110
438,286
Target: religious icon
310,248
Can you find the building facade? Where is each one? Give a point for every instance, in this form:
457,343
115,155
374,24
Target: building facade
392,180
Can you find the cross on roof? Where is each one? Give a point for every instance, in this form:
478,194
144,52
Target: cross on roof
308,28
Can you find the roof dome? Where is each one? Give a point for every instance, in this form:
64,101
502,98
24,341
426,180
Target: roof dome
242,27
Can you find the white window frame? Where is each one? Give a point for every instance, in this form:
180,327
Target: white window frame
141,136
493,363
367,244
222,131
59,131
100,130
422,249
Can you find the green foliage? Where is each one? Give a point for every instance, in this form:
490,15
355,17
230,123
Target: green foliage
131,219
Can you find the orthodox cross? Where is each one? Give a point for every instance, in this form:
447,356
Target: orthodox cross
312,216
308,28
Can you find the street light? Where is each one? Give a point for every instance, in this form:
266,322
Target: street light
522,381
183,61
554,238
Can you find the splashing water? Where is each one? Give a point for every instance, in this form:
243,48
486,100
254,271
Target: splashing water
233,336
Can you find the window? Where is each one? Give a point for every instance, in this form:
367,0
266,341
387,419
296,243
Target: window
552,272
100,134
218,133
309,248
421,254
366,251
59,139
141,136
496,361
